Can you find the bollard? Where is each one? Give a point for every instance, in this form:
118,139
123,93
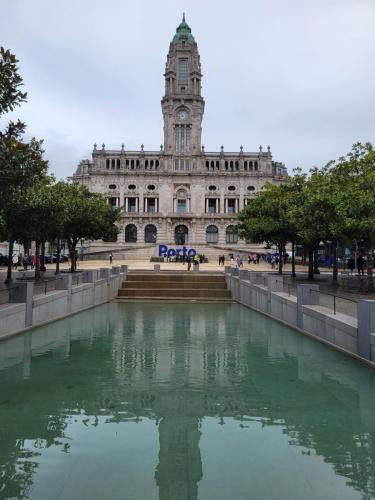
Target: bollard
196,268
307,295
157,268
23,292
366,328
243,274
104,272
274,284
88,276
64,282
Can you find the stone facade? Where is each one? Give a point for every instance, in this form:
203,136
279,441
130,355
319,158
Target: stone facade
180,194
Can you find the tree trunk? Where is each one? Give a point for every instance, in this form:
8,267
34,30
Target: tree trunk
43,256
280,248
335,266
293,260
58,250
316,262
37,260
10,263
73,254
311,264
370,265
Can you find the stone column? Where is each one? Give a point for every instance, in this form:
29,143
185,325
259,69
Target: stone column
366,328
274,284
23,292
307,295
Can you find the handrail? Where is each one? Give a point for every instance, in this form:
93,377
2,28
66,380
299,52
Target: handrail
335,297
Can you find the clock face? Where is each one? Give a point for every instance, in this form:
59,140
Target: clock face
182,115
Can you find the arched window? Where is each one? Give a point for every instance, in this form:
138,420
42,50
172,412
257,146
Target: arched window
150,233
131,233
212,234
181,235
231,235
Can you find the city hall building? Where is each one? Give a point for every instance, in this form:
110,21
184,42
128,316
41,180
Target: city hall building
181,194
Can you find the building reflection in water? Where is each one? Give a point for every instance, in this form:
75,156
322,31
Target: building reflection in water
176,366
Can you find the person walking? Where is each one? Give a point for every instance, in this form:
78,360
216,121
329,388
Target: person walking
351,265
25,262
110,258
360,265
188,260
15,261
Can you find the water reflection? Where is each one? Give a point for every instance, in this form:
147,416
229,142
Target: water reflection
175,366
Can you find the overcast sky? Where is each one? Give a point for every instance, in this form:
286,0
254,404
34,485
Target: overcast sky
296,74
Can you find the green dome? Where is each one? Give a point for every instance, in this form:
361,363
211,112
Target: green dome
183,31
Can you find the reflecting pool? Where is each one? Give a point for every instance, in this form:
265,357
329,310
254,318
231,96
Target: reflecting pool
182,402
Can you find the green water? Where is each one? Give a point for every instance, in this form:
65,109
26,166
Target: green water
182,402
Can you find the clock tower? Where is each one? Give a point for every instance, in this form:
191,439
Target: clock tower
182,104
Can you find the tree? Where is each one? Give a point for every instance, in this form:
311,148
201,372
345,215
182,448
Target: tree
354,178
87,216
265,219
11,95
21,164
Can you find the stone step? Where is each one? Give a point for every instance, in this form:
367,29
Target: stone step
200,300
172,284
174,292
181,277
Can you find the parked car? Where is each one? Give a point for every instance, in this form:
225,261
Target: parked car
3,260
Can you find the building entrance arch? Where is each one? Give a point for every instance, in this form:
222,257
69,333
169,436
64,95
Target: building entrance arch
181,234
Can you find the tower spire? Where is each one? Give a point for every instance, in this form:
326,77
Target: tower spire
183,17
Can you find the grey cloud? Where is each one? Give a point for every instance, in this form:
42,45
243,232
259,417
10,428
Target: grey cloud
296,75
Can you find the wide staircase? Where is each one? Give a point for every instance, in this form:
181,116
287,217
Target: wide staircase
170,286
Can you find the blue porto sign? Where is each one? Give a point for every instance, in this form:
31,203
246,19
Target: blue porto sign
172,252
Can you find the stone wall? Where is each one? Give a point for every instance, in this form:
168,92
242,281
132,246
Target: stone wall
264,293
26,310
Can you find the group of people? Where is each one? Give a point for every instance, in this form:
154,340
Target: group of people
361,262
192,260
23,260
183,259
253,258
222,260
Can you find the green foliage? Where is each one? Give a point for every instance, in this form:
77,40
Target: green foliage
10,92
21,166
331,204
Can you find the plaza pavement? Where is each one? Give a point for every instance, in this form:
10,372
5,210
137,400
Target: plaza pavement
171,266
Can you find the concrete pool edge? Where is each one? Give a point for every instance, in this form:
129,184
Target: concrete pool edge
304,314
27,311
